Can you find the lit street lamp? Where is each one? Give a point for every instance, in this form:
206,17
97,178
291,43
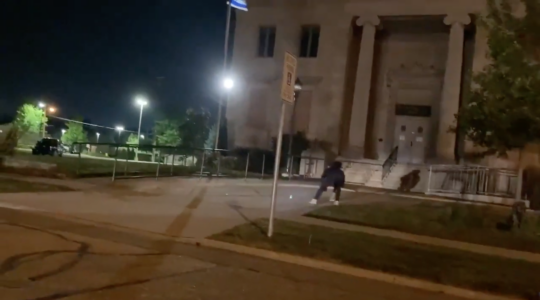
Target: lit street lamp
142,136
228,84
97,137
120,129
44,107
142,102
63,131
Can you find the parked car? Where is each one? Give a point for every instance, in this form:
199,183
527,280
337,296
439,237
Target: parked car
48,146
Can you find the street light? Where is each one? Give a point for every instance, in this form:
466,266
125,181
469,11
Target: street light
97,135
63,131
120,129
297,89
228,84
142,102
51,109
142,136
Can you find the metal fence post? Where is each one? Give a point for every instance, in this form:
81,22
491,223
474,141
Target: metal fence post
172,164
127,161
158,163
202,164
264,160
114,166
247,166
79,160
218,163
291,165
429,180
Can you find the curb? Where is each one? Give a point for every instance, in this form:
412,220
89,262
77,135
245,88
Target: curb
351,271
295,260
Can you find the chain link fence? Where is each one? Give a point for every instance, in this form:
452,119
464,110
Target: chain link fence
128,161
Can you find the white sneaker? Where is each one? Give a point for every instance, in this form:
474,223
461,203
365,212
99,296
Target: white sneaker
336,203
313,202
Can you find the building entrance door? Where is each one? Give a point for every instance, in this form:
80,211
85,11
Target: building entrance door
410,136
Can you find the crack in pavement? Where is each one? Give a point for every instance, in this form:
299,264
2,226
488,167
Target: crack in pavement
13,262
160,246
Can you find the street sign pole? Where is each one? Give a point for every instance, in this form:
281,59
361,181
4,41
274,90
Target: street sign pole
287,96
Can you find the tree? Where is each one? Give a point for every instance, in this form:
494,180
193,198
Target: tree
503,110
74,134
211,139
29,119
132,139
166,132
195,128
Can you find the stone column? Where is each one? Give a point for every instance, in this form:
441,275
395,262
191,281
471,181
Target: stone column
446,141
357,130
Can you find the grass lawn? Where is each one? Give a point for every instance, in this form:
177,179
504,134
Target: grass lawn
19,186
88,166
441,265
463,222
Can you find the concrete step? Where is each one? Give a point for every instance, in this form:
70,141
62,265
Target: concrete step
359,172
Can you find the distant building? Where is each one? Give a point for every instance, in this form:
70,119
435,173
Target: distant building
381,80
376,74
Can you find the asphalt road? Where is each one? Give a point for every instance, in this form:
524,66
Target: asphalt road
44,258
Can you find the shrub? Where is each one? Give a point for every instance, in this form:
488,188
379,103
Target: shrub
8,145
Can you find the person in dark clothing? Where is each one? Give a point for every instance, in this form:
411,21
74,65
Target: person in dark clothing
332,176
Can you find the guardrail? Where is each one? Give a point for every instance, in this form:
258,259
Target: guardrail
389,163
475,180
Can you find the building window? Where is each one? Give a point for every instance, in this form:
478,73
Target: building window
267,41
309,42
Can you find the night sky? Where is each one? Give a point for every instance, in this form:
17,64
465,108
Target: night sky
91,57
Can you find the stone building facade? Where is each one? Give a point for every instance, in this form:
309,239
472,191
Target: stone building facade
375,74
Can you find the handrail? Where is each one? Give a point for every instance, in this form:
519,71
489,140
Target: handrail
389,163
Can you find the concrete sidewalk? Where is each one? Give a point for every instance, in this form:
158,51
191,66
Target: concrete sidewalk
50,258
200,208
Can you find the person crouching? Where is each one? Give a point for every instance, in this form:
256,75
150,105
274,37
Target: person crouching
332,176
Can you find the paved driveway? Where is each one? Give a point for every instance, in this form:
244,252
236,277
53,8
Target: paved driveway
43,258
195,207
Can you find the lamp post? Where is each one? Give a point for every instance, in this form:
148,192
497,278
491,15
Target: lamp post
97,137
119,129
297,89
44,107
142,102
228,84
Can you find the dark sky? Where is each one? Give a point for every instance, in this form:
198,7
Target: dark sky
91,57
